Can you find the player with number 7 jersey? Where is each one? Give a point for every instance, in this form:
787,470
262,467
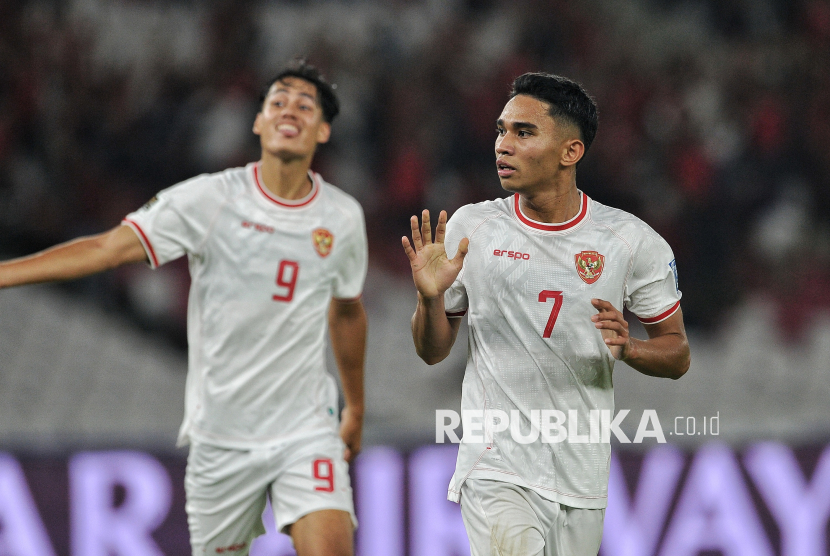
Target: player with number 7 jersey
543,277
532,341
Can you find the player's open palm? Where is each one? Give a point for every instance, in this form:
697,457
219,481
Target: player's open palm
432,270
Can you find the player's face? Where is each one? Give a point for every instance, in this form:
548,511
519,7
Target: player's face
290,123
530,145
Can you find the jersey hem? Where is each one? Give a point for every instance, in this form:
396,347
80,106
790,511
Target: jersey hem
662,316
202,437
572,500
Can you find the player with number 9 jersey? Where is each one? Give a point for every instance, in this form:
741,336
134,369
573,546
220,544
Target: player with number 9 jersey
263,272
276,256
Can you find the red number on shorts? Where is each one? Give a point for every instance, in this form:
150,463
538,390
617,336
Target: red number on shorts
557,304
287,282
324,471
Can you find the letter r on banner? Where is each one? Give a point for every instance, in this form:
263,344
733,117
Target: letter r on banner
99,527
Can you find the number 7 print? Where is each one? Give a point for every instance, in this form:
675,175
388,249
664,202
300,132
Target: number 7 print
544,295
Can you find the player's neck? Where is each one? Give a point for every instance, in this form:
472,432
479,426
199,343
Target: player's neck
553,205
286,180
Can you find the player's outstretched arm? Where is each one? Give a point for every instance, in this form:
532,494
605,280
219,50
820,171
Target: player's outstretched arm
347,331
433,273
665,353
74,259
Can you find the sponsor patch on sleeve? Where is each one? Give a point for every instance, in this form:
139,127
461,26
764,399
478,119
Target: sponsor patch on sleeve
673,267
150,203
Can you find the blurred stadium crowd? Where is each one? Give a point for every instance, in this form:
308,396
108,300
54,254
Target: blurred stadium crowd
714,122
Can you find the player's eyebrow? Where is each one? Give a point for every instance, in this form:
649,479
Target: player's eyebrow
517,125
285,89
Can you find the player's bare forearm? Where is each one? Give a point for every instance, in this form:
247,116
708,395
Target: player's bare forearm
432,331
347,330
74,259
665,354
433,273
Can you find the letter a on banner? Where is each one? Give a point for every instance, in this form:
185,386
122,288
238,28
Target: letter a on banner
21,530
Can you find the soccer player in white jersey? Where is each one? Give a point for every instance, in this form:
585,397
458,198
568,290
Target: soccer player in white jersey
543,277
275,255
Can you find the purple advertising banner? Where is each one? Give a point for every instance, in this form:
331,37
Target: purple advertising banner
765,500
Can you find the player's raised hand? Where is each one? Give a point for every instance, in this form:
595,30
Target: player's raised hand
614,328
432,271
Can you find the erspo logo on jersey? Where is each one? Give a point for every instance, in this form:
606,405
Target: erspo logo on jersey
589,265
323,241
258,227
511,254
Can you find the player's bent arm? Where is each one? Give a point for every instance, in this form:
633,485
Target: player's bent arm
666,352
433,332
347,331
75,259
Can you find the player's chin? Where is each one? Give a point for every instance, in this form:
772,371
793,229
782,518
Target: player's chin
510,184
289,153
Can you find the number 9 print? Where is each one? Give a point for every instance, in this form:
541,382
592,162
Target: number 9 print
292,269
324,471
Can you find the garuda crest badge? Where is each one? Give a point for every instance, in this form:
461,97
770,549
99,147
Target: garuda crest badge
589,265
323,241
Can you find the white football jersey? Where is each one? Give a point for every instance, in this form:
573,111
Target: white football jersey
263,272
526,288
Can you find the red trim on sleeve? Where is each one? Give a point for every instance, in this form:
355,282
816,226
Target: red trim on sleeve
143,237
456,314
661,316
583,210
315,189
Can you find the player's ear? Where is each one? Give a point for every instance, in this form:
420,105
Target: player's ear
323,133
258,123
572,152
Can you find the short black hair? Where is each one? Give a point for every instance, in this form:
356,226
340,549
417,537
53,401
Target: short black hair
567,100
301,69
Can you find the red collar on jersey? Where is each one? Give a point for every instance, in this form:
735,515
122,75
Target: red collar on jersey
315,189
583,210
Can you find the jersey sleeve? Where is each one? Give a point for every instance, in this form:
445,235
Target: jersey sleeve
351,272
455,298
652,292
175,221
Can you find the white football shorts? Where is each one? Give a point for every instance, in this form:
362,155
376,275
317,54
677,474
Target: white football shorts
503,518
226,489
